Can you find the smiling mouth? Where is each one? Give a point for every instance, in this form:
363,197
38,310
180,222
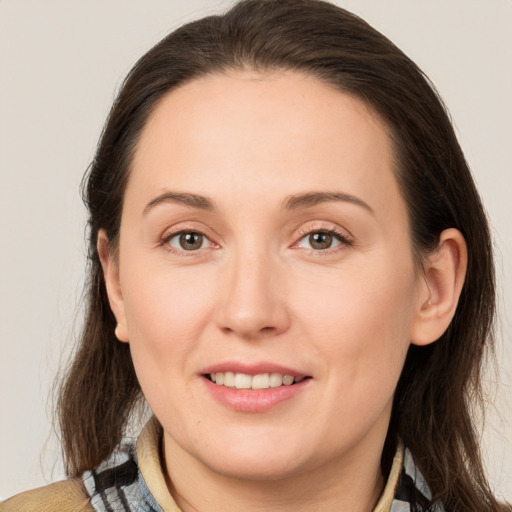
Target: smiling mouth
260,381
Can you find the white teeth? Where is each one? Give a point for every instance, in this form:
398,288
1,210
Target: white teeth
276,380
243,381
229,379
260,381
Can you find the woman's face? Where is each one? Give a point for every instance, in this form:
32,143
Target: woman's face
263,235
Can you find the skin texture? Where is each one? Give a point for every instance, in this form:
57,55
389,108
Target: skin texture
257,292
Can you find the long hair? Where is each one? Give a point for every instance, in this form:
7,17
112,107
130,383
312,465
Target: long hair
440,385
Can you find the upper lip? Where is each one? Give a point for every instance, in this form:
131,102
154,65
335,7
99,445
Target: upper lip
252,368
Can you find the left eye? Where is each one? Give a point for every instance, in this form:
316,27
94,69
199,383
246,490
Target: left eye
188,241
320,240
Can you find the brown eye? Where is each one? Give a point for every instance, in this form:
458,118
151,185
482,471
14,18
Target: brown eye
320,240
188,241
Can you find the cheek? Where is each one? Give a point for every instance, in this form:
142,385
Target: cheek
359,321
163,306
166,313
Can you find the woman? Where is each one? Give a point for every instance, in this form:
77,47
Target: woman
291,264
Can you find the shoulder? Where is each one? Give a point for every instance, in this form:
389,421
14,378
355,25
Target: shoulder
65,496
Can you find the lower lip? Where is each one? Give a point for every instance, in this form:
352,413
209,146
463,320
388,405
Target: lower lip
254,400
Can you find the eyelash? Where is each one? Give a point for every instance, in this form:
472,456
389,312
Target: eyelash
165,241
342,238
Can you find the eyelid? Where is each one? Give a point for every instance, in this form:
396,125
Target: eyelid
342,235
170,233
205,241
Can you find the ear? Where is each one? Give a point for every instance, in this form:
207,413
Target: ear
111,276
443,279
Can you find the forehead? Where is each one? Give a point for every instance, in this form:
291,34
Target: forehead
280,133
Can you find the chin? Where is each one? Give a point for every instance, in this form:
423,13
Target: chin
254,468
265,458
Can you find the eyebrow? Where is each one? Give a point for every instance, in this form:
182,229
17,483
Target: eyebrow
183,198
311,199
293,202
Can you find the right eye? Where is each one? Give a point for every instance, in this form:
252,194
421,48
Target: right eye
188,241
320,240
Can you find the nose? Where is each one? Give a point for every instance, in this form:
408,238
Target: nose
253,301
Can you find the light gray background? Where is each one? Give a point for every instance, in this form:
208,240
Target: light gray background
60,64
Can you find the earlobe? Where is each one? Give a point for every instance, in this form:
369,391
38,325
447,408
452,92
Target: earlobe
112,284
443,279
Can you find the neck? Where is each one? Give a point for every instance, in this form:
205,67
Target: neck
352,483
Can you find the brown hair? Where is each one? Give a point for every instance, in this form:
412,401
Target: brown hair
440,384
